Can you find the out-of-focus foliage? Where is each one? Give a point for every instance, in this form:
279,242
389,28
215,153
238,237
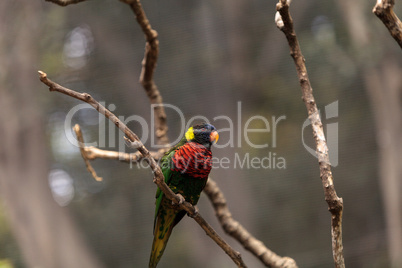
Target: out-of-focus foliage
214,55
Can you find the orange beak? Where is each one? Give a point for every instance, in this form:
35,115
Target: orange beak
214,136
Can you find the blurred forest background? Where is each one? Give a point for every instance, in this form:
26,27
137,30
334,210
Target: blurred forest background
213,54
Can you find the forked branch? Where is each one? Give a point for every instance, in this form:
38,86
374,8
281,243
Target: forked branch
92,153
218,200
158,176
81,144
335,204
384,11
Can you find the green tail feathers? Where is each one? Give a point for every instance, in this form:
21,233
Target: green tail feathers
158,247
163,228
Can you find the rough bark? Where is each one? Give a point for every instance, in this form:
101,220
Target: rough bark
384,11
148,69
335,203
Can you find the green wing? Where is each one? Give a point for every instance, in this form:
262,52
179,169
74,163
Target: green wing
165,165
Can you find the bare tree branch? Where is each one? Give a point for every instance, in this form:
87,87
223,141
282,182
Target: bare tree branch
335,204
236,230
148,68
90,169
215,195
158,176
65,2
91,153
384,11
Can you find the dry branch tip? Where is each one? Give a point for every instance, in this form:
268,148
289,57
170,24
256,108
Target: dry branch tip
81,143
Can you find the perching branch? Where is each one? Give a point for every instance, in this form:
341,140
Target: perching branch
65,2
236,230
335,204
158,176
149,62
384,11
148,68
215,195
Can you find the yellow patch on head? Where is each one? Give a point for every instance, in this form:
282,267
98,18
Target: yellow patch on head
190,134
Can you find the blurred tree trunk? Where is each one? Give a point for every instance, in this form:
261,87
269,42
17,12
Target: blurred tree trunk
384,86
45,232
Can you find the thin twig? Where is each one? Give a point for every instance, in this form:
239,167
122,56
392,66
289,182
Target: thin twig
65,2
215,195
80,139
335,204
236,230
384,11
158,175
148,68
93,153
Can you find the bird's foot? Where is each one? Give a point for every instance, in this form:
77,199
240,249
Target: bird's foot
192,215
132,144
178,202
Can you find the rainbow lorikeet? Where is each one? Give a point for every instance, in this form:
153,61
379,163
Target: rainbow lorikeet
185,167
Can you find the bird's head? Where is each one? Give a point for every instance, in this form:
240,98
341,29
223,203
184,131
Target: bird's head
204,134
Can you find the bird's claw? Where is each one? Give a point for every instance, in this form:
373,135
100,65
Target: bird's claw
132,144
180,201
193,214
